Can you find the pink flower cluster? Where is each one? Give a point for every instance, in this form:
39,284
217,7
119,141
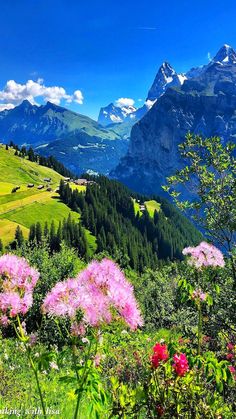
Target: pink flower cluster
204,255
180,364
97,291
17,284
198,294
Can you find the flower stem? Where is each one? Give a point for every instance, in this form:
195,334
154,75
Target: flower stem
199,328
37,382
83,380
23,338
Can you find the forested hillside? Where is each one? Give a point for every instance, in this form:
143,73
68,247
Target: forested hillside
137,238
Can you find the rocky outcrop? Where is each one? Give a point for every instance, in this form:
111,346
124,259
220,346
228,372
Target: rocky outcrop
203,105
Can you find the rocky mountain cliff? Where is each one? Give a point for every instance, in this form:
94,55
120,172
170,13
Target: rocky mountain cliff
204,104
165,78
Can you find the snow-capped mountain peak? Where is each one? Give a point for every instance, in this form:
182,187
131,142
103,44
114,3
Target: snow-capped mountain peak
166,77
225,55
113,114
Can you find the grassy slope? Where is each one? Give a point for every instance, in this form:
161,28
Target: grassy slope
27,206
151,206
76,121
136,206
20,172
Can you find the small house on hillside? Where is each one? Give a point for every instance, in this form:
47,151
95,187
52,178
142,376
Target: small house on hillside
67,179
30,185
47,179
40,186
81,182
84,182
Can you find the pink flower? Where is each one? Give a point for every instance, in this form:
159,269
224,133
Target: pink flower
17,274
204,255
33,339
17,286
99,290
160,354
97,360
77,329
64,299
180,364
108,287
199,295
4,321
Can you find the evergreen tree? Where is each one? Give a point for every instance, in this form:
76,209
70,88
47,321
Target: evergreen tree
19,238
1,246
31,154
38,232
46,230
53,238
32,233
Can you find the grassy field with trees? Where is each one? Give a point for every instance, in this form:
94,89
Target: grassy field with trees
143,327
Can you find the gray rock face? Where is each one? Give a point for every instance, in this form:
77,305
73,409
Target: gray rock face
166,77
203,105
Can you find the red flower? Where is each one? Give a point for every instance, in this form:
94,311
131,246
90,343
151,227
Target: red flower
229,357
232,369
160,354
180,364
160,410
230,346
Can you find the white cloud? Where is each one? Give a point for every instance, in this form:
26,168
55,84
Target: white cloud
4,106
78,97
209,56
123,101
14,93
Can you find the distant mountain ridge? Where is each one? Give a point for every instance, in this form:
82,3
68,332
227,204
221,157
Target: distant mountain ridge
202,101
31,124
204,104
165,77
70,137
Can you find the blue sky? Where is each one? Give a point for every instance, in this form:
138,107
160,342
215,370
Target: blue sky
105,49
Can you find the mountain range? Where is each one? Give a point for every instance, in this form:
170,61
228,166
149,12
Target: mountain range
76,140
138,146
204,104
80,143
114,114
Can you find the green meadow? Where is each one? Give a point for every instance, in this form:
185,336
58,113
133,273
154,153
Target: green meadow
27,205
